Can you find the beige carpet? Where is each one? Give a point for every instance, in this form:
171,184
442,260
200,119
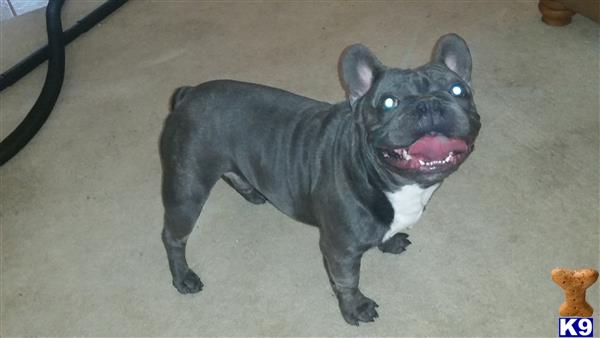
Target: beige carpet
81,212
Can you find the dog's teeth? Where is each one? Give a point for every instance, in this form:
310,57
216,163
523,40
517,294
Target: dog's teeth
421,162
386,155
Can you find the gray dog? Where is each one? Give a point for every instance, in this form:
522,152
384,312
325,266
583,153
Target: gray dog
361,170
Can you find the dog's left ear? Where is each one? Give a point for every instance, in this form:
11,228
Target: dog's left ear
452,51
358,69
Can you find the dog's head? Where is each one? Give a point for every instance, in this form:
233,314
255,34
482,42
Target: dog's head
421,123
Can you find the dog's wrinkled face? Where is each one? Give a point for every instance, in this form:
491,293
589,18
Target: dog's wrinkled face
421,123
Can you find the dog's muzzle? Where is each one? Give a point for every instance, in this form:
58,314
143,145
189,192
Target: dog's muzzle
430,153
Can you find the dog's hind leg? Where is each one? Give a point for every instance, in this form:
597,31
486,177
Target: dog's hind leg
188,177
179,222
244,188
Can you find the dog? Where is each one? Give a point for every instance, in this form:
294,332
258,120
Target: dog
361,170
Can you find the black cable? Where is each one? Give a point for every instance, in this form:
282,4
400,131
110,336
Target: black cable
38,57
55,51
45,102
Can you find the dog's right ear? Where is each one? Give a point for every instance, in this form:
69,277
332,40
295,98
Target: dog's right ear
358,69
452,51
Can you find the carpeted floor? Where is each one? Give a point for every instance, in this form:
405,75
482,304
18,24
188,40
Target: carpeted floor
81,211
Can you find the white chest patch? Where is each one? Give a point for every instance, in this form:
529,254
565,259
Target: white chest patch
408,204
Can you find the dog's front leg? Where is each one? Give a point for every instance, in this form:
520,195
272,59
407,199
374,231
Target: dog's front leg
343,268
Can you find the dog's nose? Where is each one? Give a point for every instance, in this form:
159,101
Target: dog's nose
429,106
431,114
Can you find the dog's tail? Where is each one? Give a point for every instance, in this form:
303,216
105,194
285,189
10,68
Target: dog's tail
178,96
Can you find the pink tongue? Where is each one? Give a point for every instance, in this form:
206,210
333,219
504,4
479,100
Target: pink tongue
436,148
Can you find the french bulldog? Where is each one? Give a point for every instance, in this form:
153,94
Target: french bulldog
361,170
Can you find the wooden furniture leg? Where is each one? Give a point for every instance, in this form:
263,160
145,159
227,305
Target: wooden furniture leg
555,13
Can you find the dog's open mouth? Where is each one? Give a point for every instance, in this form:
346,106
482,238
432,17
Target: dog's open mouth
430,153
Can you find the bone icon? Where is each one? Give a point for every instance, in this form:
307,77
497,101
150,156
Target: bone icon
574,283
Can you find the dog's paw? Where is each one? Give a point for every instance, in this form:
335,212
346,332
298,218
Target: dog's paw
358,308
190,283
396,245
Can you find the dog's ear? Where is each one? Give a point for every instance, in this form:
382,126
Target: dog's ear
358,68
452,51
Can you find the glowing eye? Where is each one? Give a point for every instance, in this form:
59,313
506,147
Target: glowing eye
456,90
389,103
